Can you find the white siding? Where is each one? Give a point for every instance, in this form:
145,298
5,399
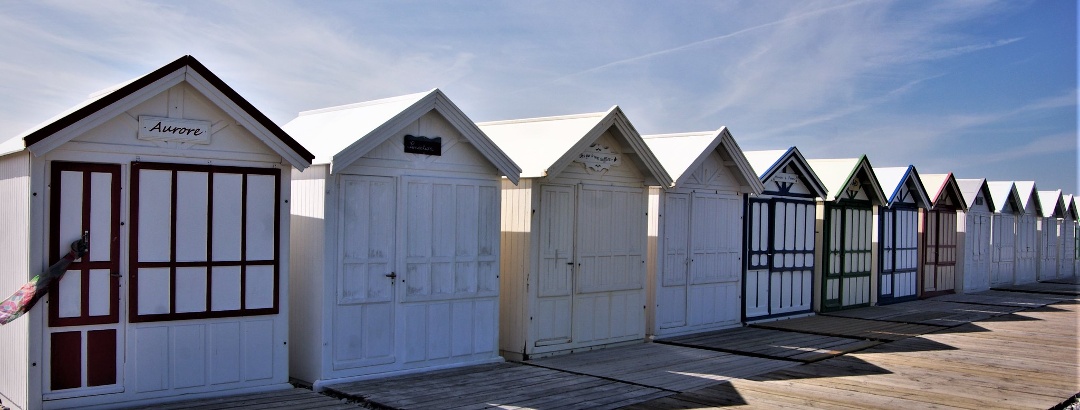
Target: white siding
14,262
307,262
514,265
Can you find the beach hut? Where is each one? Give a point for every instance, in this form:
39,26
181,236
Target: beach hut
940,235
780,229
1070,232
844,275
182,188
1027,232
974,270
1049,235
396,241
695,272
574,233
897,234
1003,231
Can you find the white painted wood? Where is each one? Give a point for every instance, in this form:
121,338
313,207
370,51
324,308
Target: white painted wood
191,217
1003,251
226,223
15,269
191,283
1026,248
155,215
1047,248
224,288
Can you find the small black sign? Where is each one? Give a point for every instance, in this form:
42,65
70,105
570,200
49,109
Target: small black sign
423,145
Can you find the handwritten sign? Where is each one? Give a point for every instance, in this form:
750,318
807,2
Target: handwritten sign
788,178
174,129
598,158
423,145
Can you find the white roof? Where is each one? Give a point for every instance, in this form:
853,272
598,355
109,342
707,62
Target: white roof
938,187
836,173
764,161
767,162
1052,204
1070,206
892,179
341,135
677,154
545,146
1003,193
1027,190
970,188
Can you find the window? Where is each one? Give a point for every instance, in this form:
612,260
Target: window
204,241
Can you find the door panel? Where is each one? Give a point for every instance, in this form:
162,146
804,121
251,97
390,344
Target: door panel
939,262
84,310
781,251
1003,249
847,257
899,253
364,323
555,280
674,273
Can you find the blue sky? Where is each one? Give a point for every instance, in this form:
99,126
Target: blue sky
980,88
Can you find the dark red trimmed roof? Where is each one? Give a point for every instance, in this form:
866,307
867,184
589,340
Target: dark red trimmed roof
128,89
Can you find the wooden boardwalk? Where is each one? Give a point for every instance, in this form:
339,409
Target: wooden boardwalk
928,312
281,399
1020,350
851,328
773,344
1023,360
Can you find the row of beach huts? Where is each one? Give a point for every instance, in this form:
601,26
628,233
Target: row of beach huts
228,254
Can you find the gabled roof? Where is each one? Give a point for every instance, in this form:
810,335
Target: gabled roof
941,186
768,163
893,180
1070,207
545,146
62,128
970,189
1003,194
1028,190
341,135
1053,206
676,153
836,174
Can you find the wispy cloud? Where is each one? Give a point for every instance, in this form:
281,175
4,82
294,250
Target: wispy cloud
931,55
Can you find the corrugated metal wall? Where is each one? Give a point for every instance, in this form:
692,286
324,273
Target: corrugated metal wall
14,260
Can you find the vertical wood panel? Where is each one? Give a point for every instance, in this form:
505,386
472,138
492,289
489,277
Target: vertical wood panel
66,360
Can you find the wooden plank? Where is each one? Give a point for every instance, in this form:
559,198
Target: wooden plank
849,327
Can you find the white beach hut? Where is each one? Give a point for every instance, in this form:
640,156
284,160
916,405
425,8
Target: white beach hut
897,234
182,187
1049,236
973,273
396,240
1070,232
1003,231
844,276
940,236
1027,233
695,273
574,233
780,236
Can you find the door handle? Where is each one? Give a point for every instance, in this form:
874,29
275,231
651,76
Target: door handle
391,275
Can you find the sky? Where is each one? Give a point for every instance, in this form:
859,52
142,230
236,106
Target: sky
979,88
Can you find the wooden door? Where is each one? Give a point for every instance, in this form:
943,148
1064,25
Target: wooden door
779,279
1003,253
1068,249
977,254
1026,249
715,254
899,254
84,336
847,265
672,295
939,260
1048,248
364,320
555,282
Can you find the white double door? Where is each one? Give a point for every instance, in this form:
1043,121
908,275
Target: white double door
590,285
417,277
699,285
780,248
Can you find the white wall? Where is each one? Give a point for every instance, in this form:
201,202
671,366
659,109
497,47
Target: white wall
14,263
